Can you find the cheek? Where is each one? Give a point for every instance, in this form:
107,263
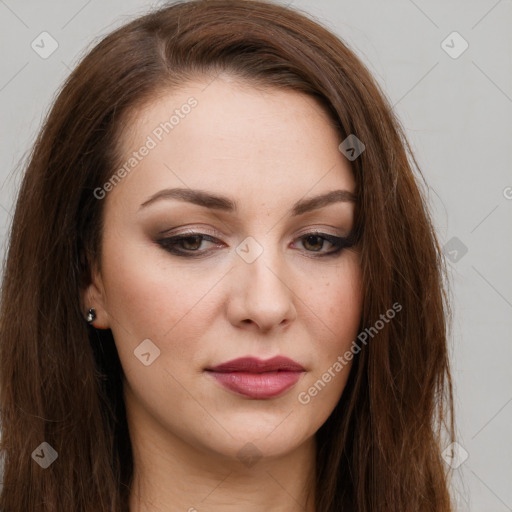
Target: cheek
346,308
337,305
151,298
146,297
334,326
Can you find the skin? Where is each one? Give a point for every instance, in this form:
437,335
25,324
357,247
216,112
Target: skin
265,149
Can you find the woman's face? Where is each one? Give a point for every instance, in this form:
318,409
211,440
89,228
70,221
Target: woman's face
250,284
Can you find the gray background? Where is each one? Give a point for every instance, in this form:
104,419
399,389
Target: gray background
457,115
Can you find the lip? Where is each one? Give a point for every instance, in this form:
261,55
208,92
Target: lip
256,378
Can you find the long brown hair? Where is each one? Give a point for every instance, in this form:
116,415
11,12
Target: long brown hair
61,379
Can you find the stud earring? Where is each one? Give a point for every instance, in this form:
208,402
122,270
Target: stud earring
91,315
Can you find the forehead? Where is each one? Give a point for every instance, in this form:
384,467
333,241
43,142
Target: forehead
236,139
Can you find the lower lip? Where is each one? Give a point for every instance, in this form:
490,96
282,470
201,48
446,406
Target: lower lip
258,385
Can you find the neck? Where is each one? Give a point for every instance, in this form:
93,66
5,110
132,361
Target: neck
173,475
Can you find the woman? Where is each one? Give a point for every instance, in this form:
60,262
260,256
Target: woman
223,289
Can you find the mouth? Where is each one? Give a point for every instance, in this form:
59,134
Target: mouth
257,379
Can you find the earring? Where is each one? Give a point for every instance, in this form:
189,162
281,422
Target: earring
91,315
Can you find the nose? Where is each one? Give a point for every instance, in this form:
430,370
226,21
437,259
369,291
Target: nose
262,297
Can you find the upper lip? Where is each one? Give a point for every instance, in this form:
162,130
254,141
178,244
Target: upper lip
255,365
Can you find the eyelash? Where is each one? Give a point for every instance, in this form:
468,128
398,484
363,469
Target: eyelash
169,244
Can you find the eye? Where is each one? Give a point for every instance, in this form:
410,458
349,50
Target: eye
185,244
315,241
189,244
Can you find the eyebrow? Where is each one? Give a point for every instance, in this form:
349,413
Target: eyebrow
223,203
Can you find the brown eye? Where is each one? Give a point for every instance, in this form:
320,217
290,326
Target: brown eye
309,242
314,243
187,245
191,243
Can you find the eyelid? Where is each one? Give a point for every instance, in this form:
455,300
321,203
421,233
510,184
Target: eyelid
198,230
320,231
192,231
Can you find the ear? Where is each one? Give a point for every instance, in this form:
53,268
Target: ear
93,296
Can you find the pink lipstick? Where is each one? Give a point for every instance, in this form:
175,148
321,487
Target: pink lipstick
258,379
